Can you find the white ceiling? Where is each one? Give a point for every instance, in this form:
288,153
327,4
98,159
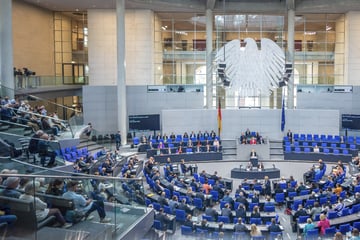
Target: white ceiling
237,6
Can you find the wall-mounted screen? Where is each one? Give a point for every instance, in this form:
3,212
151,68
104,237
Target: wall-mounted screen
350,121
144,122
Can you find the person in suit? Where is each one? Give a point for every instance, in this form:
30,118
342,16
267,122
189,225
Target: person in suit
163,218
274,227
210,211
226,211
240,226
240,212
188,222
184,206
162,200
289,135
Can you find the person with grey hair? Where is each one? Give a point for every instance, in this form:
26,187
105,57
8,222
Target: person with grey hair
11,184
42,211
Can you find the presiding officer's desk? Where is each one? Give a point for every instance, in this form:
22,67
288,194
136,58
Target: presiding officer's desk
255,173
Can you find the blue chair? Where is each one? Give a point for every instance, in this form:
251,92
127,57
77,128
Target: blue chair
312,234
269,208
147,201
252,205
304,192
136,141
198,203
180,215
240,236
208,218
356,225
288,149
215,195
302,219
345,151
326,150
345,212
317,217
275,235
256,221
258,238
336,151
158,225
157,206
186,230
307,149
201,233
332,215
309,203
167,193
355,209
211,181
224,219
280,199
291,195
297,149
329,232
345,228
167,210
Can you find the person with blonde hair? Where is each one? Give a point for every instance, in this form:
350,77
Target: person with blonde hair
308,226
254,231
323,224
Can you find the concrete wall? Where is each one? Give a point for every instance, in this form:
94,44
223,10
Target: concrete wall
352,48
139,47
266,122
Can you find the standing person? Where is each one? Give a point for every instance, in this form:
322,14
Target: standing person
289,135
323,224
118,140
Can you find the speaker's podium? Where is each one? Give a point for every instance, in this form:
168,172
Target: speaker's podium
262,152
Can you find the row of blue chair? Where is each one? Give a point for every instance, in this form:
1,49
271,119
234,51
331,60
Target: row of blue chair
324,138
321,145
336,151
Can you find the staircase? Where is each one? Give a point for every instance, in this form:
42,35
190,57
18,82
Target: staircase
229,149
276,150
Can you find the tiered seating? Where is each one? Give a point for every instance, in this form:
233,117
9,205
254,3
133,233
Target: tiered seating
70,154
327,144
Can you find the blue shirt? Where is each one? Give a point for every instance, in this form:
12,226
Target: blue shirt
79,201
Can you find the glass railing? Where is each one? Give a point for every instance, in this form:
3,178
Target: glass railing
33,81
121,201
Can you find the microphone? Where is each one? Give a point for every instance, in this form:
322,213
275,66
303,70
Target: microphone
273,165
241,166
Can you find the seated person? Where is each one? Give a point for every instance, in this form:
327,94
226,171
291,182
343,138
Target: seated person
316,149
259,138
163,218
45,150
243,138
42,212
216,145
11,184
86,207
253,141
184,168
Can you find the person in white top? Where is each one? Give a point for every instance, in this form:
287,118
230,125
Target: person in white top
42,211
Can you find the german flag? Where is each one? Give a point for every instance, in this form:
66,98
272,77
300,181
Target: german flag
219,118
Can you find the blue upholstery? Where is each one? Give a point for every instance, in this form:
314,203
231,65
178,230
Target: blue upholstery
224,219
312,234
180,215
302,219
256,221
186,230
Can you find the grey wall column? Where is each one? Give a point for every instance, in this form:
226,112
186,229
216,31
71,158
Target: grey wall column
6,49
121,74
291,51
209,60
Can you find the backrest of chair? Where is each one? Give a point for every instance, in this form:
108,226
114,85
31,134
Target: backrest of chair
344,228
186,230
302,219
330,231
269,208
256,221
224,219
332,215
157,225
